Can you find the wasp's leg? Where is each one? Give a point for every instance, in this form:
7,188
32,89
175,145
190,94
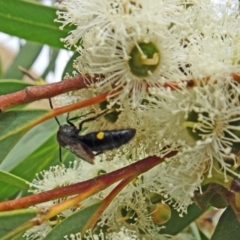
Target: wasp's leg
60,153
74,118
98,153
90,119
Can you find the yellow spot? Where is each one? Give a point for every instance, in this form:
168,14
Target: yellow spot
100,135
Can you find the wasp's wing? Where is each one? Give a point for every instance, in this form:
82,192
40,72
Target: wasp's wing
83,151
77,147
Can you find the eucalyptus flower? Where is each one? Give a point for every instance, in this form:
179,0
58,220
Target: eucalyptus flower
170,69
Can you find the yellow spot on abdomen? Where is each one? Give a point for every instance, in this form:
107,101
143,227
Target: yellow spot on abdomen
100,135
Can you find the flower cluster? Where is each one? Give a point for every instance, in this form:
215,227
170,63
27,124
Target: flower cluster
172,72
130,43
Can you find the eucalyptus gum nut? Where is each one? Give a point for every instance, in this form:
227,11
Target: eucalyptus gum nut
138,68
161,213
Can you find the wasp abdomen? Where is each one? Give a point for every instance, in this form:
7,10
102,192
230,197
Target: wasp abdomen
108,140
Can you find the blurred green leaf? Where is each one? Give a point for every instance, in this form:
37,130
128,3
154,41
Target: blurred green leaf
1,68
203,236
11,85
13,179
12,219
52,63
37,150
25,58
69,67
73,224
13,125
176,224
31,21
228,226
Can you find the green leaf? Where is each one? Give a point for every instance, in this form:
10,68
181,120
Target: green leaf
212,195
25,58
42,158
69,66
176,224
31,21
13,125
12,219
73,224
13,179
1,68
228,226
52,63
36,151
10,86
203,236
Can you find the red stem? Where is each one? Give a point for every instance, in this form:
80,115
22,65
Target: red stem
33,93
105,203
101,182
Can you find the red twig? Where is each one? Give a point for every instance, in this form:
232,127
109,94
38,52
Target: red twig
99,184
33,93
105,203
58,111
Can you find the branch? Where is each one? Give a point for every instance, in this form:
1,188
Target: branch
33,93
92,186
105,203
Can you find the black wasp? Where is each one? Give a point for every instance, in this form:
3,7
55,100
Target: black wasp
84,146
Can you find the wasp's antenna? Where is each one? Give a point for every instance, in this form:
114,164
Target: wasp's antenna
60,149
50,102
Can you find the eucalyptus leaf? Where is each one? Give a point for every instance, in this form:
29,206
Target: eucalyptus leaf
73,224
69,66
12,85
10,220
52,62
13,125
31,21
228,226
176,224
25,58
12,179
36,151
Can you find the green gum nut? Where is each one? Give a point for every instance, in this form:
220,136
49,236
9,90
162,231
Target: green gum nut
161,213
143,63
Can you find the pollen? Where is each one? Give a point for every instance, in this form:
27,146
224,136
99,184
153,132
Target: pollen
151,61
100,135
144,59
